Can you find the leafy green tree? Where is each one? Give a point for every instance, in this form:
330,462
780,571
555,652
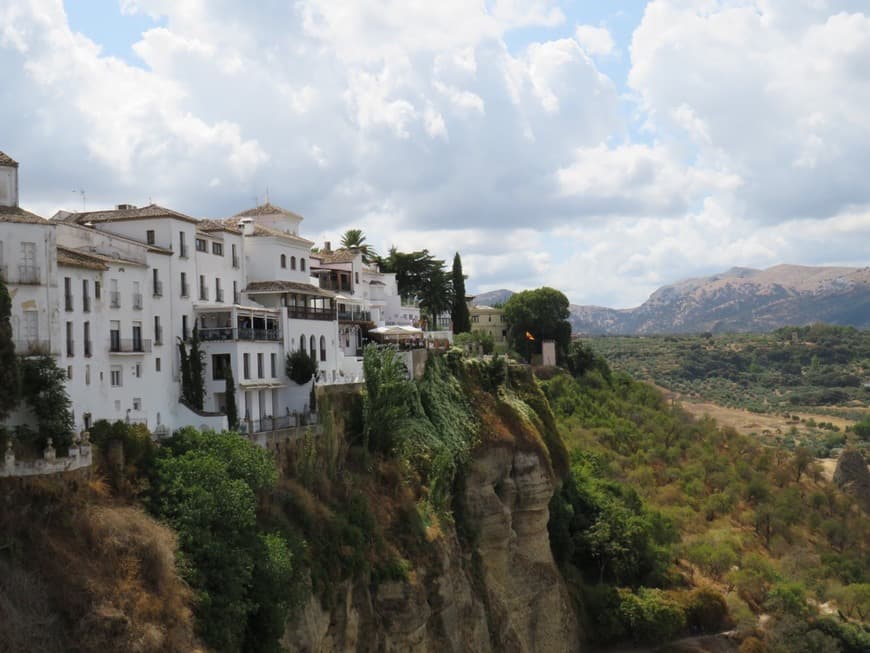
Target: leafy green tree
855,600
43,387
543,313
481,339
9,380
459,314
230,394
300,367
582,359
422,277
436,295
389,398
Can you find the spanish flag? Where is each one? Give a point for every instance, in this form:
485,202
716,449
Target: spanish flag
529,336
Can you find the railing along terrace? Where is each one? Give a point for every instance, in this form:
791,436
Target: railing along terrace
310,313
355,316
229,333
129,346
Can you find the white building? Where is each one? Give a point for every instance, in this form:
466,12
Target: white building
112,294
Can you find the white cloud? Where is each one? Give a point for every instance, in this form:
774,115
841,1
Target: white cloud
595,40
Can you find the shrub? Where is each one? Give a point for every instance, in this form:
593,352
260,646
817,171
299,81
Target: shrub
706,611
650,616
300,367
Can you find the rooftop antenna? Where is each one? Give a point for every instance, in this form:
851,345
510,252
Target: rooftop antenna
83,193
267,194
256,201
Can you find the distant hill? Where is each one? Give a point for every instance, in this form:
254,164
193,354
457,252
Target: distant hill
741,299
493,297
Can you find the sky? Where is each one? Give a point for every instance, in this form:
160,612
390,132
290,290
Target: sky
602,148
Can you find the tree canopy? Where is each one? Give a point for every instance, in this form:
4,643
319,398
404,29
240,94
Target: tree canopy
541,313
355,238
459,314
422,277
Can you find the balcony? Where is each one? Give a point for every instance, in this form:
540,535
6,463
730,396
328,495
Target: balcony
86,304
228,333
88,348
219,295
68,302
115,299
158,289
131,346
137,301
354,316
182,251
310,313
28,274
32,347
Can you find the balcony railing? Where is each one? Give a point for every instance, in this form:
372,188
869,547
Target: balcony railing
28,274
88,348
132,346
68,302
137,301
32,347
229,333
354,316
310,313
235,261
219,295
115,299
182,251
86,304
158,289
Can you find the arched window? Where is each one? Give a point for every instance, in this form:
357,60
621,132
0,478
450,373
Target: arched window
283,261
322,349
313,350
302,264
292,262
302,342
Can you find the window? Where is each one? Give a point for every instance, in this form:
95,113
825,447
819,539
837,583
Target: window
157,364
87,374
356,277
182,249
149,236
69,339
312,351
260,373
292,262
86,297
115,335
137,336
302,264
218,291
115,376
86,333
67,293
69,372
235,257
137,403
200,245
184,327
246,366
322,349
96,289
220,363
217,249
283,260
137,371
158,330
203,290
273,360
157,287
184,284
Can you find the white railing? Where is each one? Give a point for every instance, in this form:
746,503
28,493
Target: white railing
78,458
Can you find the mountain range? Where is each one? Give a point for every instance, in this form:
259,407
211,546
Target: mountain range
741,299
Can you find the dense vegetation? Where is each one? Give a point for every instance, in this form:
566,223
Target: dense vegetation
658,502
796,368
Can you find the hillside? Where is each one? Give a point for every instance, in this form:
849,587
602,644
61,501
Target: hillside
741,299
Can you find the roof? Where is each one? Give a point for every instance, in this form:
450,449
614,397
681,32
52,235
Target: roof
8,161
287,286
260,230
74,258
486,309
96,257
60,217
17,214
119,215
268,209
342,255
230,226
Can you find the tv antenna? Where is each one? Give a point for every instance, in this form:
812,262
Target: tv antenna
83,193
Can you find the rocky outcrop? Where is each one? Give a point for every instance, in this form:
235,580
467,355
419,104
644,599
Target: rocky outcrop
852,476
500,592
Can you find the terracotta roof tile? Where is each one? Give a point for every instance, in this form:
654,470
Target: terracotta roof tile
75,258
230,226
8,161
287,286
337,256
119,215
17,214
267,209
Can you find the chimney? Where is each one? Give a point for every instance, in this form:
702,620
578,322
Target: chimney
247,226
125,207
327,247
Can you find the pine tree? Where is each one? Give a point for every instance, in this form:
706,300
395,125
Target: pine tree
459,314
9,377
230,394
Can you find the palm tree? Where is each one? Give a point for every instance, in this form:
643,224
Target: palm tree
355,238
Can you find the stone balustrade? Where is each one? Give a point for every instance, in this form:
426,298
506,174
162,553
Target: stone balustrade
79,457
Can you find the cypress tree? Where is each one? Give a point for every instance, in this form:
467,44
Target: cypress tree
232,409
459,314
9,378
197,372
185,373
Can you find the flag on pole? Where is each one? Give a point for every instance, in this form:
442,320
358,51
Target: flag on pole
529,336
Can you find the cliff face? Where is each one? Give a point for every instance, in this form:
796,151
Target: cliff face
503,592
